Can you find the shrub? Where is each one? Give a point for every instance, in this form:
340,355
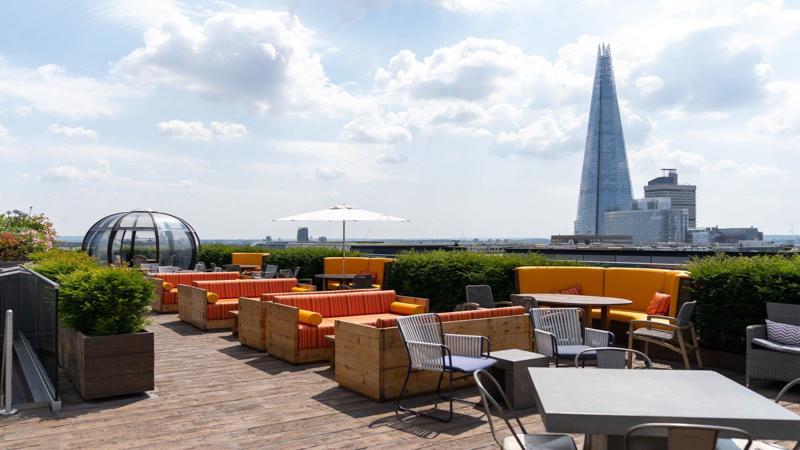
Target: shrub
442,276
731,293
220,254
22,234
309,259
105,301
56,263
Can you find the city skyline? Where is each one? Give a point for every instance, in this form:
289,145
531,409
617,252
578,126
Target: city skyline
468,118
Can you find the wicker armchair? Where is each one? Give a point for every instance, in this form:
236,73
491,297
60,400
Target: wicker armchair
769,360
668,332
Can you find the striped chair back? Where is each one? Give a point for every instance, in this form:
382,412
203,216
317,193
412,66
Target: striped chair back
425,329
563,323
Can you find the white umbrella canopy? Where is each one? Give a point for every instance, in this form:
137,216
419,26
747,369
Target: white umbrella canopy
342,213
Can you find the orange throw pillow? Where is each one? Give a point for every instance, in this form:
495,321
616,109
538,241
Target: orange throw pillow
574,290
659,304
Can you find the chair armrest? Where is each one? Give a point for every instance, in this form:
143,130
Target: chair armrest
427,355
597,338
502,304
467,345
670,319
755,332
632,325
546,343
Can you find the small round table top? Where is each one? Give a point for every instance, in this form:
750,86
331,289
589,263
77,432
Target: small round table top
579,300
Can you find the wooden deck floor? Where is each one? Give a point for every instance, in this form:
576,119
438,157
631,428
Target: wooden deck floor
212,392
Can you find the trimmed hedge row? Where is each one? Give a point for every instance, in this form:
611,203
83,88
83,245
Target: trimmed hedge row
731,293
309,259
441,276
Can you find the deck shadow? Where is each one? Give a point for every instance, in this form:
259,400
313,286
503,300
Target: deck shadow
183,328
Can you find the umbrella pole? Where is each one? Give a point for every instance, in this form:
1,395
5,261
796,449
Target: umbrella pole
343,248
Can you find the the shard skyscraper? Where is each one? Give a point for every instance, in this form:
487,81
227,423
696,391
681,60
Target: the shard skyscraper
605,180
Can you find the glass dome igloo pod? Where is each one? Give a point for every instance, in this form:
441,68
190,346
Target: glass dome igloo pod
158,237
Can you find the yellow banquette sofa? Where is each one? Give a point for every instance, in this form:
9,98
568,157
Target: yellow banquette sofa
248,259
637,285
358,265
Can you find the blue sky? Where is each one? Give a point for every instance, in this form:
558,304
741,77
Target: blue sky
467,117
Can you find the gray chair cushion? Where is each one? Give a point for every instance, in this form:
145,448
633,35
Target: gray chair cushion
570,351
776,347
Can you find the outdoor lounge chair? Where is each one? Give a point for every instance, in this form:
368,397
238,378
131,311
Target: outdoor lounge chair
557,334
429,348
770,360
522,440
682,436
270,271
668,332
232,268
361,282
481,294
614,358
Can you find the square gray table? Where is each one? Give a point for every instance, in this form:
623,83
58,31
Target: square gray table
604,403
511,371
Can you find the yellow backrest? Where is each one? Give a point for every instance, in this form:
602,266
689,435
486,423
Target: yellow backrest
545,279
250,259
351,265
377,266
637,285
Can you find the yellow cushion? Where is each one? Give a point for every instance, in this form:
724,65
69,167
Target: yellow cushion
250,259
167,287
212,297
309,317
300,289
624,315
406,309
541,279
376,286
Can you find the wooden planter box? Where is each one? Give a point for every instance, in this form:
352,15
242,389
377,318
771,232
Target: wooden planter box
106,366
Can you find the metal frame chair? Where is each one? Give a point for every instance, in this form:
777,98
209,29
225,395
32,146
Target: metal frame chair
429,348
522,440
557,333
614,358
200,266
285,273
668,333
481,295
361,282
232,268
682,436
270,271
780,395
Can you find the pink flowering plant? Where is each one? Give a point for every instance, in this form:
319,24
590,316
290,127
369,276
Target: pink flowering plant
22,234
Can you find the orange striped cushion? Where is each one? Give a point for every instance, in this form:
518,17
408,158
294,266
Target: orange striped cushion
313,337
268,297
221,310
246,288
342,303
188,277
170,298
659,304
573,290
463,315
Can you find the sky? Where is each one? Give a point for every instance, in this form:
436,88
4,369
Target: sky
467,117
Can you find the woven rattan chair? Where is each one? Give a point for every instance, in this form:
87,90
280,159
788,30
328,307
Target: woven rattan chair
557,334
769,360
521,440
668,332
430,349
614,358
481,295
681,436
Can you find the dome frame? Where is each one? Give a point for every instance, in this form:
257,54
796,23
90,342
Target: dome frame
158,237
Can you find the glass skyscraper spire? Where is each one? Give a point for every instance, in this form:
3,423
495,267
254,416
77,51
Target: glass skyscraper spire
605,180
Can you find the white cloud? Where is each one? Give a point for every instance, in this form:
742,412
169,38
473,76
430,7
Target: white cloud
263,59
100,172
139,13
72,132
328,174
4,134
550,134
197,131
392,158
649,84
782,118
747,169
483,6
50,89
374,129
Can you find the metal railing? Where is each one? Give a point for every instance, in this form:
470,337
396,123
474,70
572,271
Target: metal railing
7,396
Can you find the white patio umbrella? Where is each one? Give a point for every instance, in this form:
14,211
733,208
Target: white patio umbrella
342,213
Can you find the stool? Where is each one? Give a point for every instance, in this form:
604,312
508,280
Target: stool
511,371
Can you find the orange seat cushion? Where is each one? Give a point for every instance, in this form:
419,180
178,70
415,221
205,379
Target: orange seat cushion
340,304
659,304
270,296
222,309
463,315
170,298
309,336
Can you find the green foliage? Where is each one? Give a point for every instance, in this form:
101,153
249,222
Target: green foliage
22,234
731,293
220,254
442,276
56,263
105,301
309,259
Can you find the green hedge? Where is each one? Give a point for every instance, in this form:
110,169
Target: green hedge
105,301
220,254
731,293
442,276
56,263
309,259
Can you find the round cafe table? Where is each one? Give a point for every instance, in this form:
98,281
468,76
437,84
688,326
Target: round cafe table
587,302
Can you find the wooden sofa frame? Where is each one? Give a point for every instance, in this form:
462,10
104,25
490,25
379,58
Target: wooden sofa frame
282,339
158,298
192,303
373,361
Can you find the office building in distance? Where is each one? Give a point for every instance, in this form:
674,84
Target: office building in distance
302,234
650,221
683,196
605,179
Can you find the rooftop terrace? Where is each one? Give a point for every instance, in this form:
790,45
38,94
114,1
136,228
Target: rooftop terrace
213,392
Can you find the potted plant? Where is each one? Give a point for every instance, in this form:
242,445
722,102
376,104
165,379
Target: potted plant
103,346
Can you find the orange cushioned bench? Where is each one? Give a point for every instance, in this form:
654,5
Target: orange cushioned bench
207,304
377,267
297,342
166,286
637,285
371,359
253,316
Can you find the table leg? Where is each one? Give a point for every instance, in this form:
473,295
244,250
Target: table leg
587,317
604,319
